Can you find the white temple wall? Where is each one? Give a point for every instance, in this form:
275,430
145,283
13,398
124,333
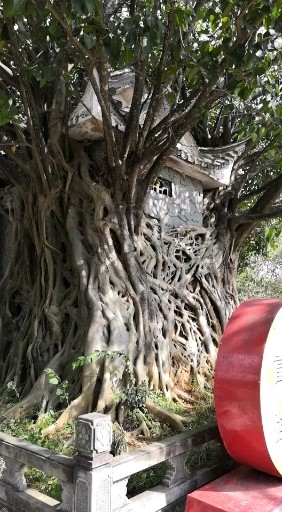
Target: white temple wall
183,207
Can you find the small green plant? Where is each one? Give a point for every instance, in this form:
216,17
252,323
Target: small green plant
136,395
202,412
46,484
159,429
62,385
30,429
82,360
205,456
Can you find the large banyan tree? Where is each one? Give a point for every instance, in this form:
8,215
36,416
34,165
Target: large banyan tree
86,274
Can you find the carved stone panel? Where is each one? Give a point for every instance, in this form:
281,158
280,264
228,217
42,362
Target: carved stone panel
93,433
84,436
103,437
82,496
102,498
4,509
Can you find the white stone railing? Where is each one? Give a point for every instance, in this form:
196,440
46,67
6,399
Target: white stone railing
94,481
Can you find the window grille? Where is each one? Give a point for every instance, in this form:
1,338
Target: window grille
162,186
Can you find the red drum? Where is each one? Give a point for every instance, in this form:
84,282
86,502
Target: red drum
248,385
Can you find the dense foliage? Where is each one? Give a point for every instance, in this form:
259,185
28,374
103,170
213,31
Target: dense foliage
260,266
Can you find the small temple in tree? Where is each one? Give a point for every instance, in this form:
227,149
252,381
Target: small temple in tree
176,196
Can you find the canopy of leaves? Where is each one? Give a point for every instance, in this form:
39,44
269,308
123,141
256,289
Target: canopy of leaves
262,278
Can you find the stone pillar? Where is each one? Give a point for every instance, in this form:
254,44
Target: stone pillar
92,473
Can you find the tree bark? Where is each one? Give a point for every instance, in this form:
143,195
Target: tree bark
151,306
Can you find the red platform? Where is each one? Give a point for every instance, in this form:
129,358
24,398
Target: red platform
241,490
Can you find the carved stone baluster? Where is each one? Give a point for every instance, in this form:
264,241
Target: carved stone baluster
177,472
13,474
93,472
120,500
5,509
67,497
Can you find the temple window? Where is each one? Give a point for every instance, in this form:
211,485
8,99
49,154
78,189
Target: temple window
162,186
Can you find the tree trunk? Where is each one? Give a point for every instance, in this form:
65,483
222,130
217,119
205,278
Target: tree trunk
151,306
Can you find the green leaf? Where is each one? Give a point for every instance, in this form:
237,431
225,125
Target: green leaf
89,40
182,17
54,380
79,362
93,356
127,56
4,33
269,234
8,8
89,4
262,131
77,6
225,21
13,7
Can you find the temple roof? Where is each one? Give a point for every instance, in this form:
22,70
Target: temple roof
211,166
211,158
121,80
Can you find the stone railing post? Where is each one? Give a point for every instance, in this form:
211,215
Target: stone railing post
92,473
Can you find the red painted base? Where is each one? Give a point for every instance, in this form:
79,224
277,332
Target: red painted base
241,490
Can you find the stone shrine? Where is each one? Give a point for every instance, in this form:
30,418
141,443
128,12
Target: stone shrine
176,196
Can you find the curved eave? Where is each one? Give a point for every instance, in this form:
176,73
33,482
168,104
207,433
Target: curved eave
229,150
210,178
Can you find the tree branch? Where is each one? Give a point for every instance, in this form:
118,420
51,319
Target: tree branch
11,171
157,93
88,57
269,196
132,125
38,144
249,218
254,192
177,123
102,94
8,78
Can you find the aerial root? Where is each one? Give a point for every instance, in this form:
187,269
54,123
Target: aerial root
143,427
180,396
30,403
75,409
143,430
174,420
